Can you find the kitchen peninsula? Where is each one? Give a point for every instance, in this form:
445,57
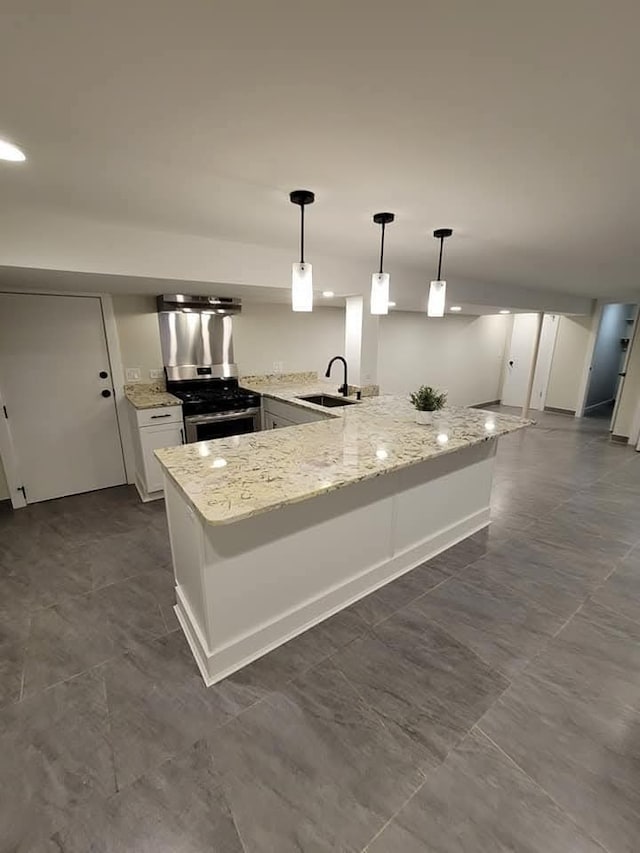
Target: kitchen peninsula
274,531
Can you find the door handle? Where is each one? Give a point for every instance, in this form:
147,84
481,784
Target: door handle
106,393
103,374
511,364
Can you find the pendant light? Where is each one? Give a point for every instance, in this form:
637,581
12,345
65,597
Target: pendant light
438,289
301,278
380,280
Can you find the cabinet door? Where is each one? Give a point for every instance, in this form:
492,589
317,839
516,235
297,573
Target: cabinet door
275,422
153,438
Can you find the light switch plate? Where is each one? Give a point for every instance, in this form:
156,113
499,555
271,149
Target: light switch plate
132,374
156,373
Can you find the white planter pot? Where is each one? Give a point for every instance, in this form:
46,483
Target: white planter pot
424,417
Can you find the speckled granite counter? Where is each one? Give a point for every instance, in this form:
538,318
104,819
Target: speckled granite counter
149,396
235,478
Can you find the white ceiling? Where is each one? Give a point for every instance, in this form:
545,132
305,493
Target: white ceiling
61,281
515,123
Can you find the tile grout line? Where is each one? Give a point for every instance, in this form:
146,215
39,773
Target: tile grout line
393,817
111,749
24,661
497,746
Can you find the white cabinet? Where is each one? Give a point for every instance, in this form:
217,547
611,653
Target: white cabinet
276,414
151,430
153,438
271,421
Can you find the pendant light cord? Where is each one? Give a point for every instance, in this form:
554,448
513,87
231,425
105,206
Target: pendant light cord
440,259
382,248
302,233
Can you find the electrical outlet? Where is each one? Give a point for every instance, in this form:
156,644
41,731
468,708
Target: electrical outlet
132,374
278,366
156,373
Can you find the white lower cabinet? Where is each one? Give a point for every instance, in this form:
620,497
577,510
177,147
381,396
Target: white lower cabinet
277,414
154,438
270,421
152,430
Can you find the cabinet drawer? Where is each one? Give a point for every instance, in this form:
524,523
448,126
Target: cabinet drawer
158,417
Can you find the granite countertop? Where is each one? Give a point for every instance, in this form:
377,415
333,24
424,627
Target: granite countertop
146,396
234,478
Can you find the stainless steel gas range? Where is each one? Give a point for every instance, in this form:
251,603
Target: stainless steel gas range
197,350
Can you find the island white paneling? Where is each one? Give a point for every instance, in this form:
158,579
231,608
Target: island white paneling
244,588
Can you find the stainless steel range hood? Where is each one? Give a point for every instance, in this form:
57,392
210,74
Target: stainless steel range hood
196,336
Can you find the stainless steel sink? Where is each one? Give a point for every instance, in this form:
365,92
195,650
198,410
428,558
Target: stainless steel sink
327,400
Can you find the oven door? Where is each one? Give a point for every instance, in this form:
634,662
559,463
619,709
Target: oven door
221,425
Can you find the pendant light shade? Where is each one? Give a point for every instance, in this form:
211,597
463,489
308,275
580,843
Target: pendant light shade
302,277
380,293
302,287
438,288
437,298
380,280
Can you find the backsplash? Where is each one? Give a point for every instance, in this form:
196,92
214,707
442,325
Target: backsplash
142,388
280,378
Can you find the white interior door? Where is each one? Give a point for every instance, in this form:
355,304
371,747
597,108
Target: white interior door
64,431
520,356
545,358
519,359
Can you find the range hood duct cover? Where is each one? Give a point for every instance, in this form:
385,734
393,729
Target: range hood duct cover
210,304
196,336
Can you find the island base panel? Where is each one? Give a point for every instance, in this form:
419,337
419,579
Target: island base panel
244,588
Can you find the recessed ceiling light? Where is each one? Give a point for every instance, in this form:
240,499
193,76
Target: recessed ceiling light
10,152
455,308
391,304
505,311
328,294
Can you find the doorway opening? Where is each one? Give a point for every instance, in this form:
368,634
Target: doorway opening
609,360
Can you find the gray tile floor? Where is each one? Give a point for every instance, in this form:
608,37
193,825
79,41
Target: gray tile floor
488,701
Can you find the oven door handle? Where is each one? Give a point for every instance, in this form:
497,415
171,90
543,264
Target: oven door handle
221,416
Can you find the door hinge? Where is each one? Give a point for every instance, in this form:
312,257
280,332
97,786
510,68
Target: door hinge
4,409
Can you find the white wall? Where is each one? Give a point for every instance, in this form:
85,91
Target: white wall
262,335
137,323
4,488
567,368
607,354
463,355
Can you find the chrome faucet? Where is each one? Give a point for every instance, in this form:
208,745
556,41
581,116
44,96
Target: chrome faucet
344,388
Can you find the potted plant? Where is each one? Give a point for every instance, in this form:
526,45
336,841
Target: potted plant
427,400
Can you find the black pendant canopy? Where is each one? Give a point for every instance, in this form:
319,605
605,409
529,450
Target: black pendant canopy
441,234
383,219
302,198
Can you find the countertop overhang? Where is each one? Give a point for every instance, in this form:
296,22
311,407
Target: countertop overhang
231,479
